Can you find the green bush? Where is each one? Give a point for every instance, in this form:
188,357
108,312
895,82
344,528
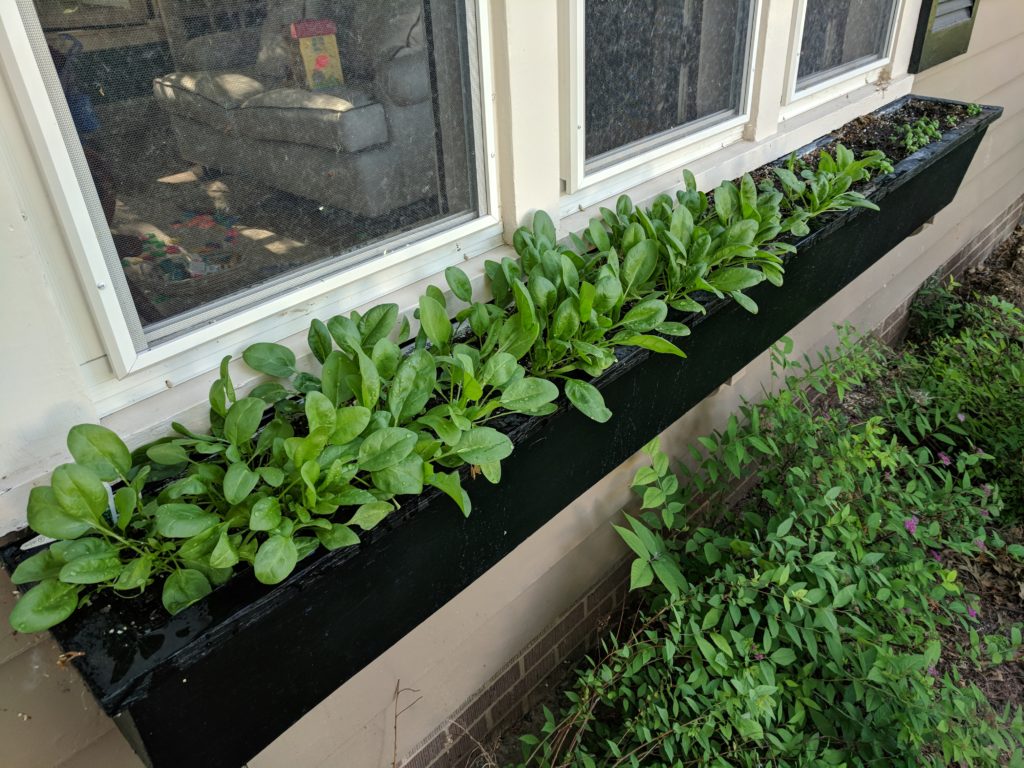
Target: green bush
803,628
973,375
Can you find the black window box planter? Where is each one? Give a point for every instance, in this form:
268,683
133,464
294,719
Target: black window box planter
215,684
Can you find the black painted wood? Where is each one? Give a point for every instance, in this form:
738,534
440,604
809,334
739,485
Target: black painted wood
217,683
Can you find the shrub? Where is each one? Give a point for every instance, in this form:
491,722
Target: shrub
802,630
975,373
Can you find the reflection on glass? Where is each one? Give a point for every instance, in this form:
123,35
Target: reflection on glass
842,35
653,66
232,142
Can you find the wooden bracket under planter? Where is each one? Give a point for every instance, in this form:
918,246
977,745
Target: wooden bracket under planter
217,683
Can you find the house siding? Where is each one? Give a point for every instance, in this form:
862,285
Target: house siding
475,661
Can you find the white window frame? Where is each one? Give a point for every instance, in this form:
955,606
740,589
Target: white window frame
797,101
582,187
378,275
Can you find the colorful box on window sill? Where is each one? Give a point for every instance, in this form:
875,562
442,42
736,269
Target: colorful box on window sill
317,61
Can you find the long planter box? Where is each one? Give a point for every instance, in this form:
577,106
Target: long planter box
217,683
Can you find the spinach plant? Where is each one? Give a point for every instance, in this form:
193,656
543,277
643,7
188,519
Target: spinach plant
582,307
810,193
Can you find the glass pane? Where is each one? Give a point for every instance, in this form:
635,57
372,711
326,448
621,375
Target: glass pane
842,35
653,66
234,143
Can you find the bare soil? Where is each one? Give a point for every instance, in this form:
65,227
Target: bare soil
1002,274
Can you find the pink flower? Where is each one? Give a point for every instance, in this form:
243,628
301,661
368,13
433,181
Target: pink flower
986,489
944,458
972,613
759,656
984,513
980,544
936,556
933,671
911,525
961,418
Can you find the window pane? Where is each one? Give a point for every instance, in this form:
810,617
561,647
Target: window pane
234,144
841,35
654,66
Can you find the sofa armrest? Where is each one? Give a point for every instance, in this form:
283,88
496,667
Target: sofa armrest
348,123
221,50
404,78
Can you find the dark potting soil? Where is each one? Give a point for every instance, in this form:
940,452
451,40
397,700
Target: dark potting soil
877,131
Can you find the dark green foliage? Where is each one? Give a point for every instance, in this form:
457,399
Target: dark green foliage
969,368
801,629
311,458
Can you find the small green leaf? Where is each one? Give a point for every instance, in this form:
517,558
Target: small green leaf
640,574
377,323
80,493
224,554
385,448
338,537
47,516
435,322
529,394
243,419
654,343
182,521
319,340
99,449
134,574
275,559
451,484
167,454
349,424
272,476
783,656
265,514
184,588
91,569
271,359
320,411
481,445
368,515
46,604
588,399
459,283
239,481
42,565
403,478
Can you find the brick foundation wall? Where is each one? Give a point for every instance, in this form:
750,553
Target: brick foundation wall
460,741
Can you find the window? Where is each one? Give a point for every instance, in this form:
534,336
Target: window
659,69
841,36
230,150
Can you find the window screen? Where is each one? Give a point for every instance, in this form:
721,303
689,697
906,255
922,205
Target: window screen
841,35
235,148
658,68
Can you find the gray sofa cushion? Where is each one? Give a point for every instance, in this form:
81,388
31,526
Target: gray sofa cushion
317,119
221,51
405,79
209,97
